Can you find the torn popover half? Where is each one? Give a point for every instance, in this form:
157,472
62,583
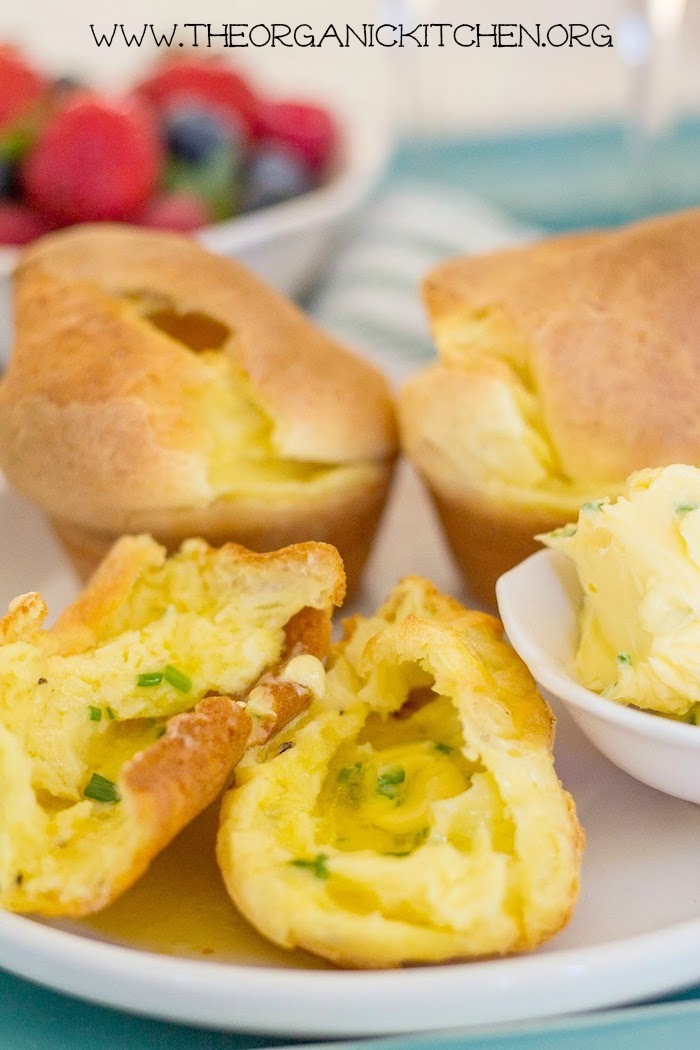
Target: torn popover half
564,367
122,722
413,813
156,387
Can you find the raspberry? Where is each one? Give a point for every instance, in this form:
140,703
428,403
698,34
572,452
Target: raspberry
210,83
22,87
180,210
306,129
97,158
19,225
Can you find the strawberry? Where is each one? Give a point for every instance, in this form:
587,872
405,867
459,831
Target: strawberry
180,210
22,86
209,82
97,158
19,225
306,129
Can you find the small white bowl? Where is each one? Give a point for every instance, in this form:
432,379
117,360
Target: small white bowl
287,244
539,601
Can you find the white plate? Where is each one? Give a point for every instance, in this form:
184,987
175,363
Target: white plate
635,934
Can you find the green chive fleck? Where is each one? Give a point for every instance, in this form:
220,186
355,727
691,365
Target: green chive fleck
99,789
565,532
160,731
625,659
110,713
177,679
595,504
444,749
317,866
95,713
150,678
686,508
417,840
388,782
349,773
351,777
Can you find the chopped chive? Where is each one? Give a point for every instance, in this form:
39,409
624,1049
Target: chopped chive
349,773
110,713
351,778
388,782
595,504
444,749
99,789
625,659
418,840
317,865
686,508
95,713
177,679
150,678
286,746
160,731
566,531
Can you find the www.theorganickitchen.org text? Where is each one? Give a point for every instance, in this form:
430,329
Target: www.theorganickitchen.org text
363,35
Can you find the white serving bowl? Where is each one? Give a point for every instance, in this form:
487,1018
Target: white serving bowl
539,602
287,244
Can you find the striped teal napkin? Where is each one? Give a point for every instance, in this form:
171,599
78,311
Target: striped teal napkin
370,296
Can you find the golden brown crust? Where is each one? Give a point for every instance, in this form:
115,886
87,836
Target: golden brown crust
172,781
610,324
23,618
488,538
376,910
327,405
169,783
113,426
105,849
564,366
346,518
309,631
78,625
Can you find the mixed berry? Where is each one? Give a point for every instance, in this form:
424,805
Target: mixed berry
190,145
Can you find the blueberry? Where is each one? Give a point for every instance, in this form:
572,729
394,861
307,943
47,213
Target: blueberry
7,177
68,82
194,134
274,175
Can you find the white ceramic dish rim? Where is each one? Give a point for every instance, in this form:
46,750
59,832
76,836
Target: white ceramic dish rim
366,146
554,678
221,995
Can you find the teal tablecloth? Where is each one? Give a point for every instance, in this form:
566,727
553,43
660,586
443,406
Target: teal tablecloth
34,1019
557,181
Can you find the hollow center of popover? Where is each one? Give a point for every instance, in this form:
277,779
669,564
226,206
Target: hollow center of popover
195,329
235,431
385,790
